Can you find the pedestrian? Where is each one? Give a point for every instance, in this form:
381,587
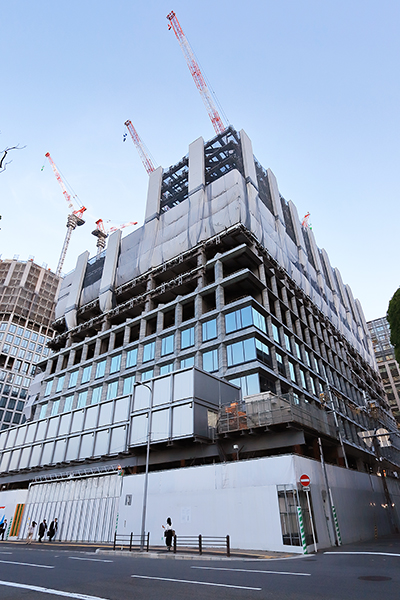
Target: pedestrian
169,533
42,529
52,529
3,529
31,530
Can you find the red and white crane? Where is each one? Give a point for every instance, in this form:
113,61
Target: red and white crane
141,148
196,73
102,233
74,219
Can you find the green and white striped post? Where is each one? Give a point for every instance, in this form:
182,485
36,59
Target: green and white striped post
339,539
302,532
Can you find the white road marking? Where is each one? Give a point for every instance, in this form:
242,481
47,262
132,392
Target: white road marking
11,562
5,552
237,587
36,588
92,559
372,553
252,571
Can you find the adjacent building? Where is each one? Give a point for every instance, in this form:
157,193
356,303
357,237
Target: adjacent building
218,337
27,300
388,366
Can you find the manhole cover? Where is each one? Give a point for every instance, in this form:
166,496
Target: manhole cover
375,578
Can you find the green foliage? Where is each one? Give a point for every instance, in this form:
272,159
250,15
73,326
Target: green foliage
393,317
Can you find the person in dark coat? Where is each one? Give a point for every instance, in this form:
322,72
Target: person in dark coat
168,533
42,529
3,528
52,529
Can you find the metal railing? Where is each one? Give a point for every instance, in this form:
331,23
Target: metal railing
202,542
267,409
131,541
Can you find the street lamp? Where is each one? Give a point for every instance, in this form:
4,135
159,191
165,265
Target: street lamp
146,476
236,447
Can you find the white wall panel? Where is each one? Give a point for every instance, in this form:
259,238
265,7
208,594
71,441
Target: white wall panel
139,429
121,411
12,434
182,420
183,385
91,416
118,439
65,423
35,456
41,431
102,441
20,435
162,390
59,452
14,459
30,435
105,413
141,398
73,447
53,426
86,445
47,455
3,437
77,421
25,454
160,425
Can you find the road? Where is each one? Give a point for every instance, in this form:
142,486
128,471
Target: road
363,572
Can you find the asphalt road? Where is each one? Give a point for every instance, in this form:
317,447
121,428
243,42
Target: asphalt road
364,572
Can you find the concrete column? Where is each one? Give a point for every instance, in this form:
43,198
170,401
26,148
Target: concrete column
75,291
107,284
196,166
219,298
219,271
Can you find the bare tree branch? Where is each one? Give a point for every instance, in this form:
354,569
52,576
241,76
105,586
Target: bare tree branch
3,165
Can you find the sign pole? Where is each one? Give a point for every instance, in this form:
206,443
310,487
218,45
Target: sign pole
311,520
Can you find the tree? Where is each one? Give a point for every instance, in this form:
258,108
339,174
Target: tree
393,317
3,156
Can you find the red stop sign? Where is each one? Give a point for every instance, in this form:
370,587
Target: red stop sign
305,480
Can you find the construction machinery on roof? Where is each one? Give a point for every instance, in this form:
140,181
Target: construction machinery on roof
196,73
74,219
141,148
102,233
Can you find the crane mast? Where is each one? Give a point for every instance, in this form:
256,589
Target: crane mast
145,158
196,73
74,219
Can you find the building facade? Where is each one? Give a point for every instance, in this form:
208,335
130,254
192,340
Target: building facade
246,348
388,366
27,301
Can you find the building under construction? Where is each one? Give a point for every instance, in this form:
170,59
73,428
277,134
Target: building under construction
27,300
253,365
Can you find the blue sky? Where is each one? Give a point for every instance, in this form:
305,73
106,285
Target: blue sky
315,84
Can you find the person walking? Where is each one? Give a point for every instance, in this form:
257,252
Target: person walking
168,533
42,529
52,529
31,530
3,529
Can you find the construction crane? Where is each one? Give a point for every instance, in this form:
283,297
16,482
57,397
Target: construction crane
141,148
197,75
74,219
102,234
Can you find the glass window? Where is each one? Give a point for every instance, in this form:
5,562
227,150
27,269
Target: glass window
280,363
7,389
86,374
148,351
249,384
303,379
287,342
275,333
187,338
115,363
210,361
7,417
241,352
308,359
31,346
47,391
6,348
43,410
167,345
3,402
16,418
3,326
73,378
292,372
68,403
209,330
259,320
128,385
60,383
96,394
82,398
187,362
9,338
24,344
20,405
21,354
29,356
147,374
27,381
17,341
23,394
100,369
314,391
55,407
239,319
2,375
168,368
11,404
34,337
27,334
112,390
14,392
131,358
262,351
